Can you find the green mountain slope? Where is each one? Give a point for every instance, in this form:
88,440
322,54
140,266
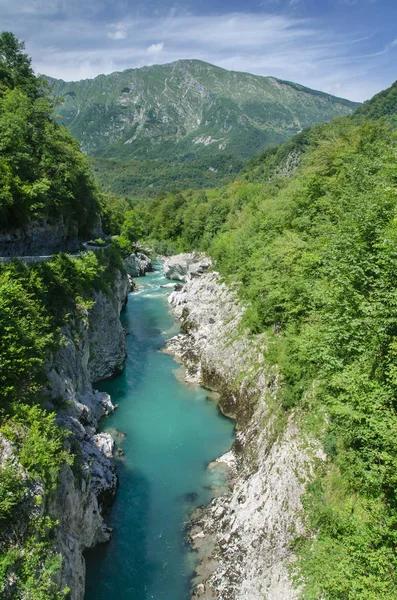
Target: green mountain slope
383,104
199,115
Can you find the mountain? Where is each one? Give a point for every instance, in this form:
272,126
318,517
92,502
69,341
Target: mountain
383,104
207,118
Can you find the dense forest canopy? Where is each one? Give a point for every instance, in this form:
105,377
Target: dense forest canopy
43,174
383,104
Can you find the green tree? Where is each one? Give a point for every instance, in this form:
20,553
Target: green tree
113,209
25,335
15,66
43,173
132,228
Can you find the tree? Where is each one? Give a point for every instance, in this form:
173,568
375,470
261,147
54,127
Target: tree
43,173
15,66
132,226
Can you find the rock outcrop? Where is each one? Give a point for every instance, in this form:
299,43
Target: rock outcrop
106,335
105,443
244,537
44,238
138,264
94,348
39,238
183,267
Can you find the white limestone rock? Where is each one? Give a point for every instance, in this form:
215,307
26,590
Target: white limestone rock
6,450
183,267
138,264
244,538
77,507
105,443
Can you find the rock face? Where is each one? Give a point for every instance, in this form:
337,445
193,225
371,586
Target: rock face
244,537
105,443
106,335
186,266
94,349
138,264
39,238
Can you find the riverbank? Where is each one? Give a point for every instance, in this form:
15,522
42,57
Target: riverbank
94,349
244,538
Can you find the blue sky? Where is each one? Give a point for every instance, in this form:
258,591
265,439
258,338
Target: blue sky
344,47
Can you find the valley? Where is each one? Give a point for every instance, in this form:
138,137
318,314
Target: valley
221,427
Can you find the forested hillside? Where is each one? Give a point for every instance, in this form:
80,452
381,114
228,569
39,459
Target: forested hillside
383,104
184,125
43,175
308,234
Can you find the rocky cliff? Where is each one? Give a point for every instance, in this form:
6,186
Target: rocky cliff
94,348
244,538
44,237
39,238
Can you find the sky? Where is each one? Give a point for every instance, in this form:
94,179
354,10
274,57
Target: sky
345,47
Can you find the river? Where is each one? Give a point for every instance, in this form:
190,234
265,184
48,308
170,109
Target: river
172,431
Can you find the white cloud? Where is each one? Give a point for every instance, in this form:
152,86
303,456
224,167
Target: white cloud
48,8
155,48
119,32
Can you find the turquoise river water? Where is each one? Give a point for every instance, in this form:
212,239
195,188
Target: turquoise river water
172,431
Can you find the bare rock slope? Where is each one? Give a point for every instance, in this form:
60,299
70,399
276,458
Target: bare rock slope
94,349
244,537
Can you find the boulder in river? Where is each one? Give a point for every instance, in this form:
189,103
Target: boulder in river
186,266
138,264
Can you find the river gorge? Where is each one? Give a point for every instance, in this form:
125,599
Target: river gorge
198,324
168,432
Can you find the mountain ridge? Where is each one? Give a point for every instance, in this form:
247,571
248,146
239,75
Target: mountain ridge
205,63
188,112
